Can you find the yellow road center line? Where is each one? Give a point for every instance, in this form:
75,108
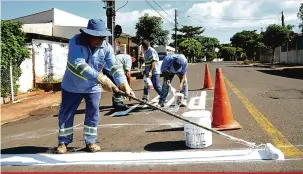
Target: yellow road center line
276,136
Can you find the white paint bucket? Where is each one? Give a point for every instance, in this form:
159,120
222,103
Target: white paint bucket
178,97
148,82
196,137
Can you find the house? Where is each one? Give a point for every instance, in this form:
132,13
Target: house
48,34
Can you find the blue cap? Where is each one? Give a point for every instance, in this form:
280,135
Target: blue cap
96,27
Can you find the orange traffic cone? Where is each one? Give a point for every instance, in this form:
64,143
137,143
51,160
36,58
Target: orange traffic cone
208,84
222,112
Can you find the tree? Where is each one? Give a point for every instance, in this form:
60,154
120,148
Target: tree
186,32
14,51
191,48
150,28
228,53
275,36
209,44
300,16
249,41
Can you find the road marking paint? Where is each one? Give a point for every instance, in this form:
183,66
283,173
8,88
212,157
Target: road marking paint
276,136
121,113
201,102
107,158
152,101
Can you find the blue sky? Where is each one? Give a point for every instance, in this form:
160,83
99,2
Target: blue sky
221,18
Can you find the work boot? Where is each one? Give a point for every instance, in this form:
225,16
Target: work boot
93,147
161,104
120,107
61,149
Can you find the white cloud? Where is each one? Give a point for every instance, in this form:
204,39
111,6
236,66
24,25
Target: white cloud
128,20
220,18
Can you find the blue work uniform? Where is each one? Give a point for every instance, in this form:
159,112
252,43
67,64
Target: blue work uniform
151,55
169,72
123,62
81,81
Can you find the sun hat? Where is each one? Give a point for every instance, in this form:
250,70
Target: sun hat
96,27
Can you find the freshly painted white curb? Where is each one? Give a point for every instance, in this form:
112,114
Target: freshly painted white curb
131,158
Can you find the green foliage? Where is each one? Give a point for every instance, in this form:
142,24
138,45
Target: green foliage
150,28
249,41
228,53
190,48
186,32
276,35
13,49
300,16
209,44
50,79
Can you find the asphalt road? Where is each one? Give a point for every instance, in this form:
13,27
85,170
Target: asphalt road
267,104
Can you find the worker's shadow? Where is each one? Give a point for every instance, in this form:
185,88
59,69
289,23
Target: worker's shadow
166,146
136,110
36,150
101,109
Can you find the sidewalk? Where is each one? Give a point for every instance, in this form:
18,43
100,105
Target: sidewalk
277,67
22,109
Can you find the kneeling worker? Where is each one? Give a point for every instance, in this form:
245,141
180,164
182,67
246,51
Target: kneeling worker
123,64
174,64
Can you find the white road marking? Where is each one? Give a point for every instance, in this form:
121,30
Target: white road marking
132,158
121,113
200,105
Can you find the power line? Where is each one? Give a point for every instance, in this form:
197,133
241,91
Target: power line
231,18
122,6
159,13
163,10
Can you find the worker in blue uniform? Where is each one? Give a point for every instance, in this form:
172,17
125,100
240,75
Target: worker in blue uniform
83,79
174,64
152,69
124,62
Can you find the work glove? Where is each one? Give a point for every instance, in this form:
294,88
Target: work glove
149,74
126,88
107,84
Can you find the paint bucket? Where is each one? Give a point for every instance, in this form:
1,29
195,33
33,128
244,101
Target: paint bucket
178,97
148,82
196,137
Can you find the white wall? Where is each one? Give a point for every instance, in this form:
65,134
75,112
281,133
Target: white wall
26,78
292,57
39,28
67,19
50,58
65,31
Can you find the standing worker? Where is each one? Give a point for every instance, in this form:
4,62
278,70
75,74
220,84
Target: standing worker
152,69
124,63
174,64
83,78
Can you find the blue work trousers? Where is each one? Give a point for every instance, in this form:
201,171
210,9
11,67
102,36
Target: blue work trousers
68,108
156,84
165,86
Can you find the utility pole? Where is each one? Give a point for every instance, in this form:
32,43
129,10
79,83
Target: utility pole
282,18
110,13
176,30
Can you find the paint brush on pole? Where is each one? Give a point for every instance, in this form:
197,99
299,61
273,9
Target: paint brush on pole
272,152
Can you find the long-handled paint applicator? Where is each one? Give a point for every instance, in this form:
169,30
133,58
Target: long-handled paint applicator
272,152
